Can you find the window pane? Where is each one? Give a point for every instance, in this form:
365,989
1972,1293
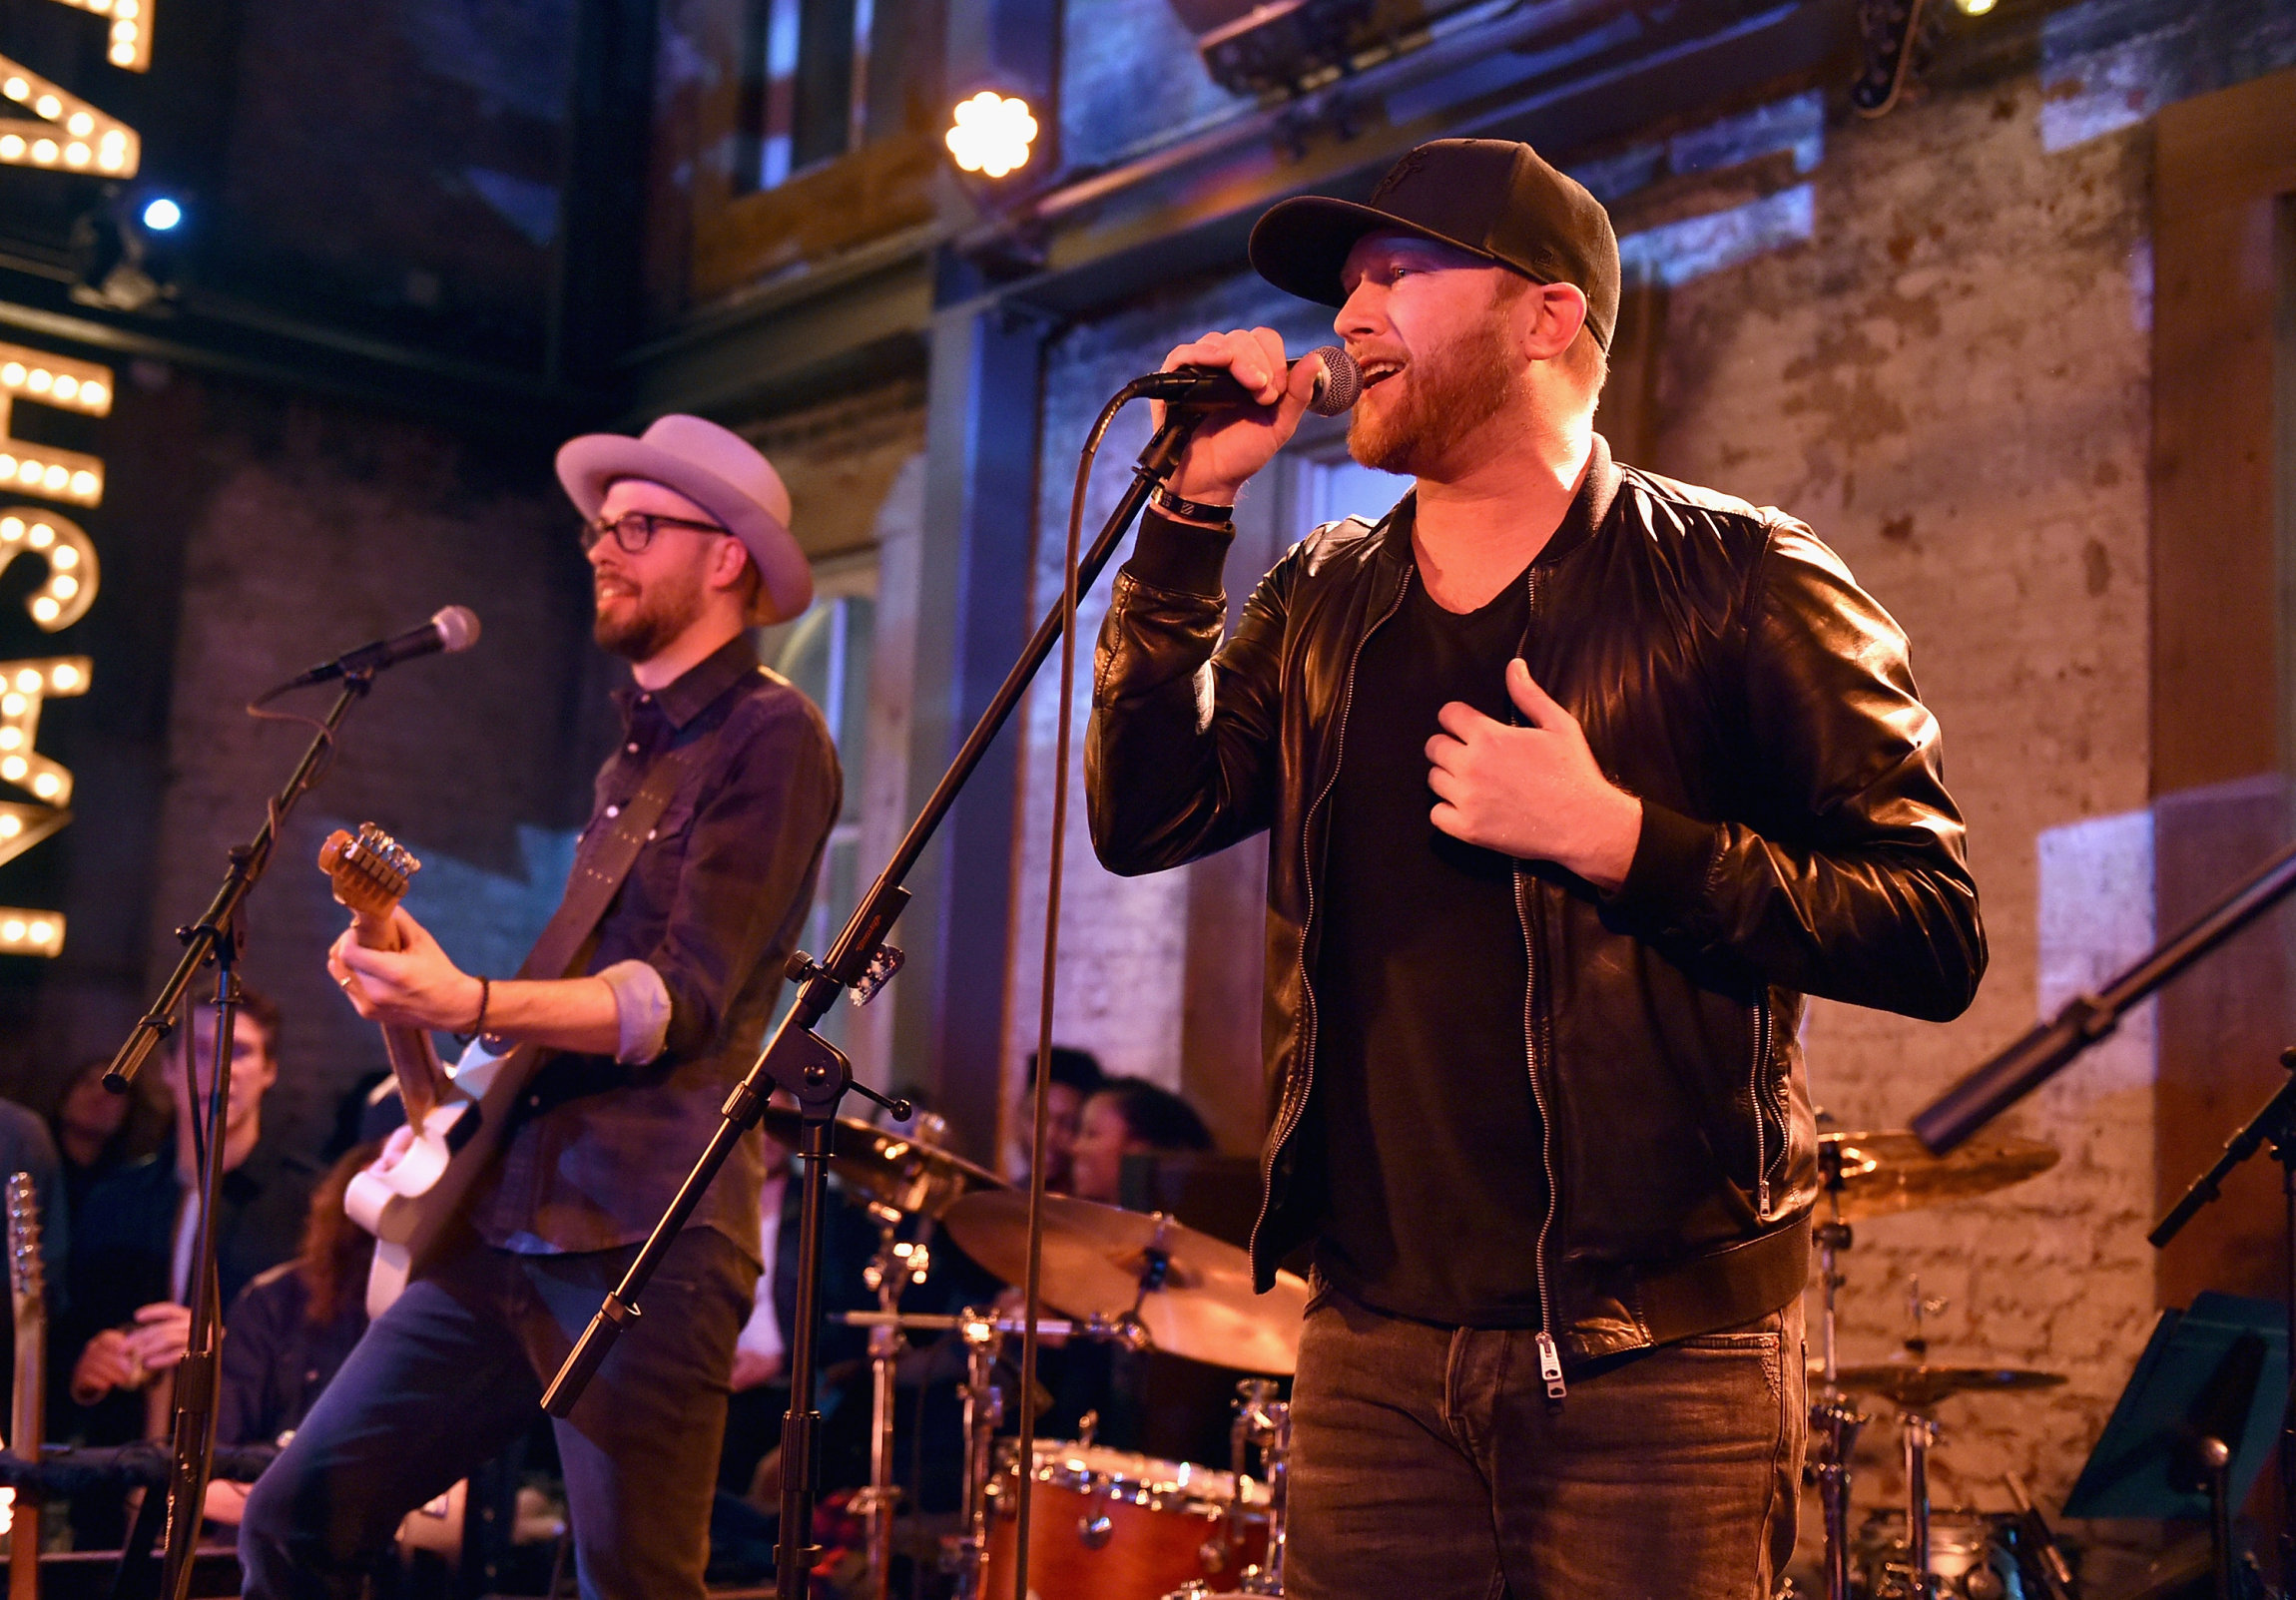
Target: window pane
822,128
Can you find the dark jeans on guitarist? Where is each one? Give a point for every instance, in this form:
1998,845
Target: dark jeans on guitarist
455,1369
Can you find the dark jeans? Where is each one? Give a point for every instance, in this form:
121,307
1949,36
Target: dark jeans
1428,1462
455,1369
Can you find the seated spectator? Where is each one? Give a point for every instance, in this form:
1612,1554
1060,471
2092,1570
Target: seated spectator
1130,1117
292,1327
128,1275
1075,1076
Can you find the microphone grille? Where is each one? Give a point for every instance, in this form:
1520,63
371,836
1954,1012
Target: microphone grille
1342,382
457,628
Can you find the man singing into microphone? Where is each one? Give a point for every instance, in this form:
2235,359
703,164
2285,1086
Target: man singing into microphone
1578,779
673,966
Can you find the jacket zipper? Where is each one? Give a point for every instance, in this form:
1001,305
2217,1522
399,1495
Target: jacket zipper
1293,1108
1550,1356
1754,1100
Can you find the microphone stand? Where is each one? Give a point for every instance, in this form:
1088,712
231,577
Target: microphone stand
2087,1018
214,937
817,1075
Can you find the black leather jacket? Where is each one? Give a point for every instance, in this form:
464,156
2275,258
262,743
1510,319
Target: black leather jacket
1796,839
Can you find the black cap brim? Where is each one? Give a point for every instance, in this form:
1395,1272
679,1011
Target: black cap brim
1299,244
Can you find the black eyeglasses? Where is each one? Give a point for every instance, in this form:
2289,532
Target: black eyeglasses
634,530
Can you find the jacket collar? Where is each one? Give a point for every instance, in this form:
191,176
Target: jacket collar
1589,508
693,691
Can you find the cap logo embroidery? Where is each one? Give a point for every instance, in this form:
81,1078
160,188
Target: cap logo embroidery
1402,174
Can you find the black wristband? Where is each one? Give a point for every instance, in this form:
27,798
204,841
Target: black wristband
1172,505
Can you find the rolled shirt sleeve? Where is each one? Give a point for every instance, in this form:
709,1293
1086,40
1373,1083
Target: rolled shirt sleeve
641,1011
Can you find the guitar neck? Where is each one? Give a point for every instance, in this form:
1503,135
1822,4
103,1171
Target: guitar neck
413,1059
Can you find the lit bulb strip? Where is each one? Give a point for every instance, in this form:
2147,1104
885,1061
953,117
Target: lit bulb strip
31,932
52,474
68,385
73,572
22,827
69,136
24,686
130,46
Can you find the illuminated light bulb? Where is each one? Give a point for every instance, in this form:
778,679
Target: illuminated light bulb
12,705
13,767
111,160
16,89
45,609
993,134
42,932
124,33
12,147
56,477
95,397
1974,8
29,680
128,8
10,528
8,470
65,677
64,560
45,785
162,215
77,154
122,56
80,124
10,826
41,381
13,374
48,106
84,484
11,738
63,586
65,385
13,931
29,472
44,152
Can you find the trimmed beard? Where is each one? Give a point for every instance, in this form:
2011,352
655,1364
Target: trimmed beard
1452,391
662,611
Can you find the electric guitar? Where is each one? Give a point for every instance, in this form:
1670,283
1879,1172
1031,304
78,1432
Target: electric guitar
27,1418
413,1204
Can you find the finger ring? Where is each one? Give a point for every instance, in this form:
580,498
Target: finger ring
346,982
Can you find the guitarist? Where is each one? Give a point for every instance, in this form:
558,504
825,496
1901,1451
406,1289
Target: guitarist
689,546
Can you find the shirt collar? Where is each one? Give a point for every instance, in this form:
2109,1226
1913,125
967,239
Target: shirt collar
692,692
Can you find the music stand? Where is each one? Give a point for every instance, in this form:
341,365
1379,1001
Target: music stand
2212,1376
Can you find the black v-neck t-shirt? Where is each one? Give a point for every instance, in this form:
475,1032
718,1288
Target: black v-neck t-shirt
1431,1136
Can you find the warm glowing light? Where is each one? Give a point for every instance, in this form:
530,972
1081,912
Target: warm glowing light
17,89
41,381
11,146
64,679
10,826
1974,8
13,931
78,125
42,932
45,784
29,680
45,609
14,768
64,560
48,106
95,397
993,134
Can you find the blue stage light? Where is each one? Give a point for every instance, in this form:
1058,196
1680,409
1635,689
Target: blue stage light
162,215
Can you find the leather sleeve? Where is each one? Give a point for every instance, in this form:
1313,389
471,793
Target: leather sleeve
1181,756
1860,890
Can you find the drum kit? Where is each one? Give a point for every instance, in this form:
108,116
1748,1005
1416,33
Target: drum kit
1111,1526
1106,1524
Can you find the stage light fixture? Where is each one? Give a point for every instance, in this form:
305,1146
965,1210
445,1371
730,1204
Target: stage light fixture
162,215
993,134
1974,8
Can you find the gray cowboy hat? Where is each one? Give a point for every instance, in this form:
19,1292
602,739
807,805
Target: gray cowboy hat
718,470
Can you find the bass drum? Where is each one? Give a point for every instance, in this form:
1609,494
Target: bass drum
1110,1525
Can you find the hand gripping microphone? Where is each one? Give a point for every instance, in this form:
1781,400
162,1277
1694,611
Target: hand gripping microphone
1339,384
455,628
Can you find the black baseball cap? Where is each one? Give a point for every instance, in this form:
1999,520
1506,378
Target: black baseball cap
1491,198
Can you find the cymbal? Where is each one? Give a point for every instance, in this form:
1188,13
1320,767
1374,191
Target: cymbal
893,1169
1913,1387
1094,1257
1891,1172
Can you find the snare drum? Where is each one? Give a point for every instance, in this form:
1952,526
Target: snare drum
1973,1556
1109,1525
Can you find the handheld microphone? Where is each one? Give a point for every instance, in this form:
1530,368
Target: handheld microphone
1339,384
455,628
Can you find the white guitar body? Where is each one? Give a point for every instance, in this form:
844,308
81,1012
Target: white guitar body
412,1205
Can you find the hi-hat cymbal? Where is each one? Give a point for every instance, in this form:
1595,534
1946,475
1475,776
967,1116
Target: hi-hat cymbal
893,1169
1913,1387
1202,1306
1894,1171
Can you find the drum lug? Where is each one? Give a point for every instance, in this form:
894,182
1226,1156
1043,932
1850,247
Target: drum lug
1093,1530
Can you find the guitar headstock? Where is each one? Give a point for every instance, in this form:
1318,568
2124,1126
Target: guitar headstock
369,869
27,1277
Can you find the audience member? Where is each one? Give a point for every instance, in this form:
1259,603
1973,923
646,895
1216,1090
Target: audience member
292,1327
1075,1075
1129,1117
26,1147
97,1129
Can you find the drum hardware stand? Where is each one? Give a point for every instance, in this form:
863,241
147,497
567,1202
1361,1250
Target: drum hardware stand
2274,1124
984,1416
896,1265
1918,1434
800,1060
1264,1421
1835,1420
